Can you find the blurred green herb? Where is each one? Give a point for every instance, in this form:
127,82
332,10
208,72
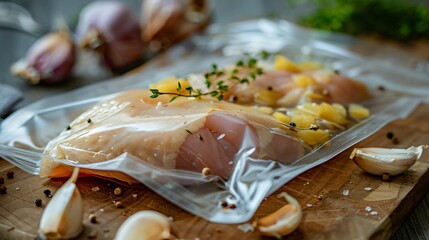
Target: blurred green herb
396,19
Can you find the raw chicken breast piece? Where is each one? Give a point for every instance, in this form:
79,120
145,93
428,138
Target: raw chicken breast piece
187,134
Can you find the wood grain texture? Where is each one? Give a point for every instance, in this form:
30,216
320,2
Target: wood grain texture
335,216
416,226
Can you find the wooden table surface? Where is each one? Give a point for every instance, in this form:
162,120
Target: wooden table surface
14,45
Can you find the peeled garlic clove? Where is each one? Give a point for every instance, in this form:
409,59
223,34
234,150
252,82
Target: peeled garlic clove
391,161
50,60
113,31
62,218
282,222
145,225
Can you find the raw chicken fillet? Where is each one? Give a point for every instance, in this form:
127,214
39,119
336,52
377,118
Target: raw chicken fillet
186,134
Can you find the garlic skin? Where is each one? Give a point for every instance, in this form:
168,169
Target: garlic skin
145,225
62,217
282,222
391,161
49,60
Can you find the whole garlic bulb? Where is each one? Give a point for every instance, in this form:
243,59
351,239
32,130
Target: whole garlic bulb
145,225
111,29
49,60
62,217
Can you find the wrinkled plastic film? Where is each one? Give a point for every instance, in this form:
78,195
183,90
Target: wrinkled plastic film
254,174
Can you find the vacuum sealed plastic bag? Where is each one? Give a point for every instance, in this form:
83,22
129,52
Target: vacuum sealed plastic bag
206,152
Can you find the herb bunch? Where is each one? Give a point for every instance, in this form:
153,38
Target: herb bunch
249,65
395,19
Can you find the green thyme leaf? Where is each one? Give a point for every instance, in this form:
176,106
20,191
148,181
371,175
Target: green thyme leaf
173,98
179,87
252,62
244,81
154,91
264,54
208,82
190,89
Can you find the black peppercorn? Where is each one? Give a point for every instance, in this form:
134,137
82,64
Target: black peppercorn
47,192
389,135
10,174
292,124
1,180
385,177
3,189
38,202
395,141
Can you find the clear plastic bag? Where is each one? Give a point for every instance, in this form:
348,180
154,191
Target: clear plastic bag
253,173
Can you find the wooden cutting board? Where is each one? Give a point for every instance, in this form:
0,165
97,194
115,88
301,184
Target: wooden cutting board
336,215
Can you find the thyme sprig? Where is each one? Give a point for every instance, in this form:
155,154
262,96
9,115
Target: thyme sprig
248,66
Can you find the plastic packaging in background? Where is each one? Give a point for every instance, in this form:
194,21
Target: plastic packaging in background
25,133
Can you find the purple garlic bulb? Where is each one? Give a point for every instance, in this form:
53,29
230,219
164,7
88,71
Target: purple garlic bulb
49,60
111,29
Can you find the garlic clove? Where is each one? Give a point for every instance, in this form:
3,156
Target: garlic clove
145,225
62,218
282,222
391,161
